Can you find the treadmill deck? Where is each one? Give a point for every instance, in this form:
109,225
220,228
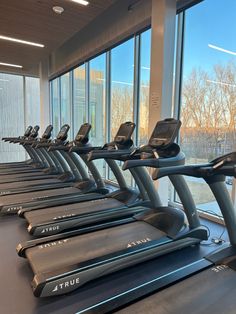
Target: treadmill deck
34,196
52,213
75,250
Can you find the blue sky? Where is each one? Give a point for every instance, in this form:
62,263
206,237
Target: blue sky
210,22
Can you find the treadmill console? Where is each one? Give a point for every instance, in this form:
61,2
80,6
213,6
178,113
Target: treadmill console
82,135
62,135
164,133
124,133
28,131
48,132
34,132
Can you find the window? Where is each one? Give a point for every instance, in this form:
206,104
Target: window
32,101
145,60
85,95
79,104
97,84
66,101
55,106
19,107
122,84
208,102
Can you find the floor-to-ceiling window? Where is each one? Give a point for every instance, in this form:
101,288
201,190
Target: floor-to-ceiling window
103,92
143,112
55,106
122,84
32,101
97,89
79,104
19,107
65,93
122,88
208,101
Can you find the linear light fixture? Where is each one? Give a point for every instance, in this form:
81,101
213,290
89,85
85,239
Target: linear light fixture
11,65
25,42
3,80
83,2
222,49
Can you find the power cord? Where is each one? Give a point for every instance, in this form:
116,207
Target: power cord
218,239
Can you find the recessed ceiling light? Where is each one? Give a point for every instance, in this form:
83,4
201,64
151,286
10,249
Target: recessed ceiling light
11,65
21,41
83,2
58,10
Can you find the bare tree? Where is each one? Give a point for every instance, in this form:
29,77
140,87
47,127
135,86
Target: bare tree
208,111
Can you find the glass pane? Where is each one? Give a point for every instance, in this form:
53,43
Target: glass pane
97,89
11,116
55,107
79,110
122,84
145,59
32,101
208,91
122,81
66,101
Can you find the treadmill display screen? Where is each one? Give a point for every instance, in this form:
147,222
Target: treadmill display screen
48,131
165,132
83,132
34,132
125,132
28,131
63,132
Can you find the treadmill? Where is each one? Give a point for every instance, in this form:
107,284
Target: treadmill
216,270
42,189
26,163
83,190
7,169
39,166
41,181
63,262
118,206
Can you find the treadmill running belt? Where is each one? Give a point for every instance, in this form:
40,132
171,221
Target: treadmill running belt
210,291
21,175
53,213
30,196
75,250
21,184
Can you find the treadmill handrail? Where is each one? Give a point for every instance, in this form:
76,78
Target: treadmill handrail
45,144
199,171
84,150
154,162
28,141
109,154
58,147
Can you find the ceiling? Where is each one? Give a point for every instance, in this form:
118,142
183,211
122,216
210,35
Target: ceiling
34,20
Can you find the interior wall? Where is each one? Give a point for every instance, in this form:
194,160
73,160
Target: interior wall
121,20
